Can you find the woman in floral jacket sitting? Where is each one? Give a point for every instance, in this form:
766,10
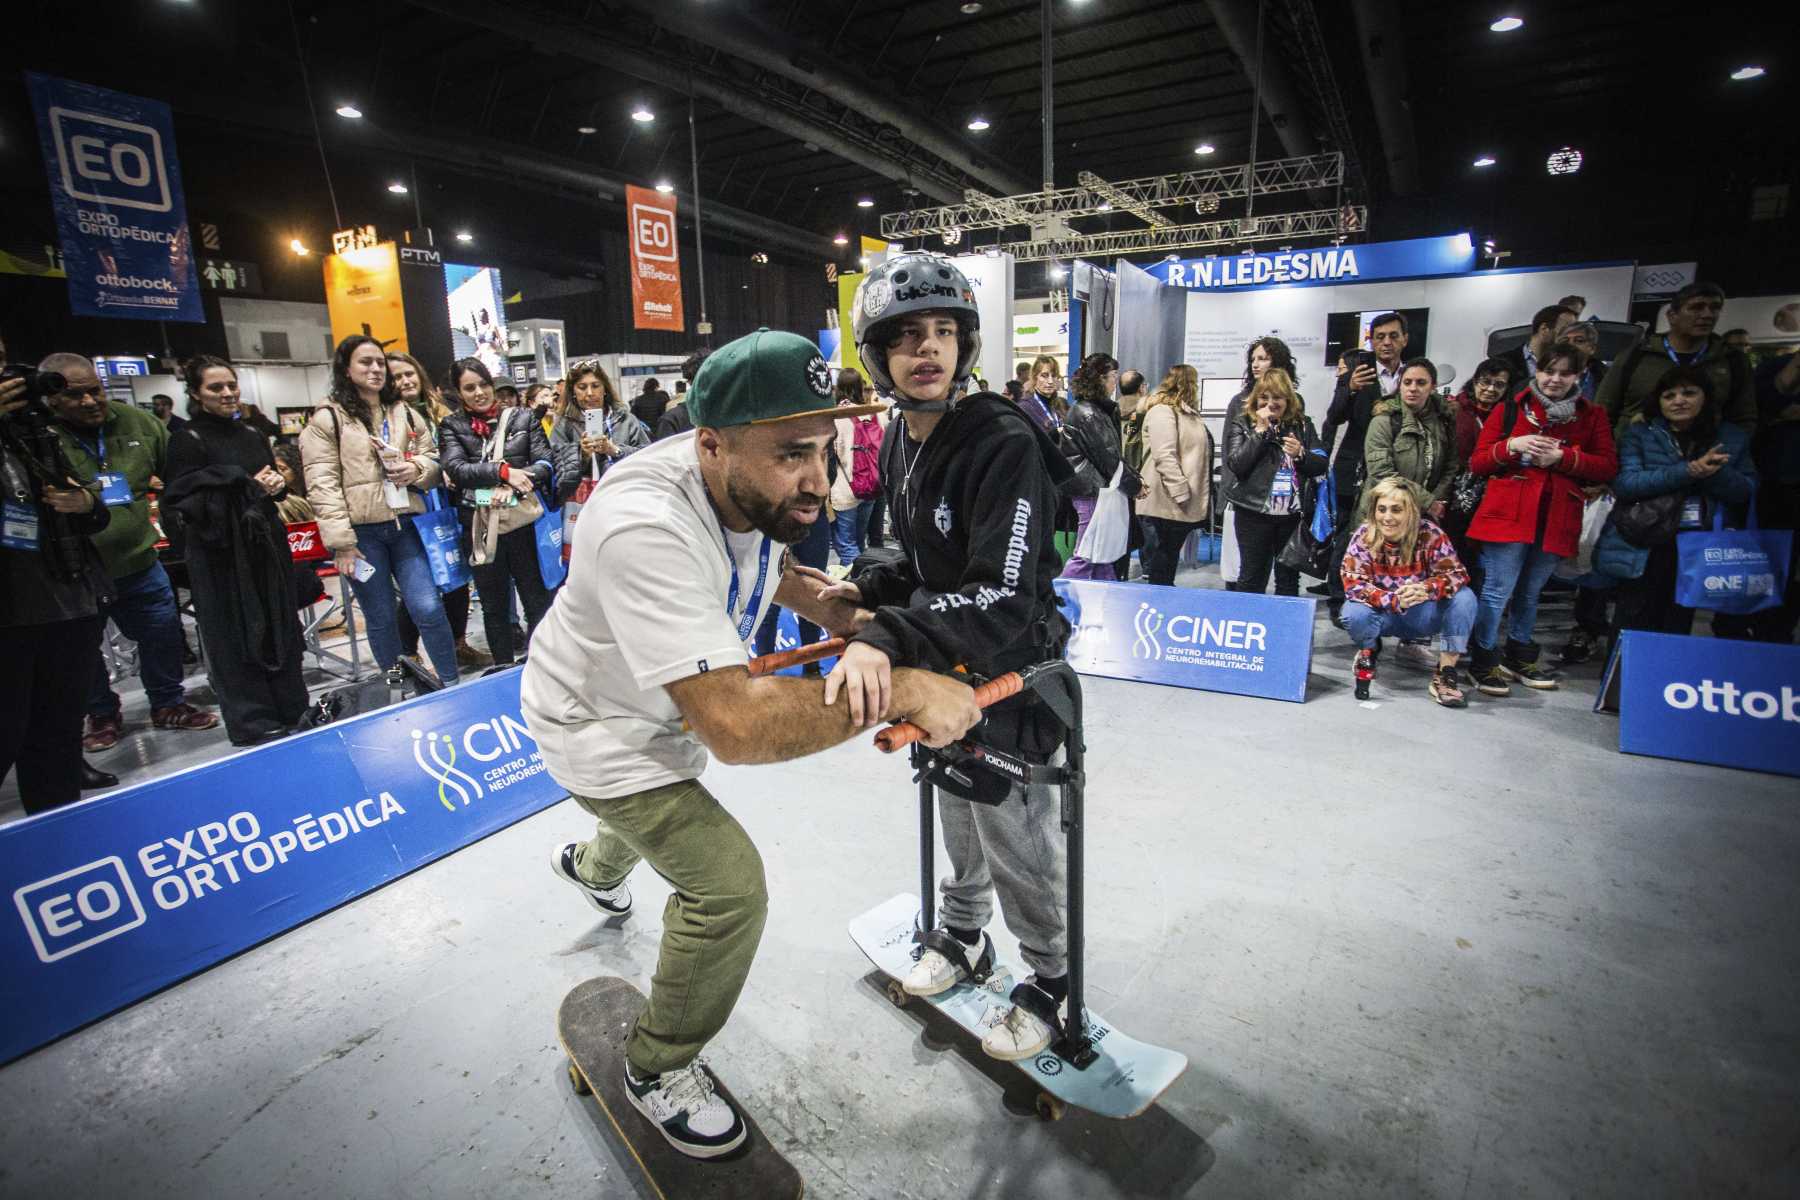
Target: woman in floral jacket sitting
1402,578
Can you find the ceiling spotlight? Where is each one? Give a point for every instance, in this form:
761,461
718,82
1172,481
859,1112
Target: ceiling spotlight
399,189
298,247
349,112
971,8
760,259
665,187
1104,206
584,130
1488,245
841,240
865,202
1566,161
1506,25
1057,270
978,123
1743,73
642,115
463,235
1204,148
1486,160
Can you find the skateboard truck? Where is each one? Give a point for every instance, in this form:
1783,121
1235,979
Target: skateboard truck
1055,685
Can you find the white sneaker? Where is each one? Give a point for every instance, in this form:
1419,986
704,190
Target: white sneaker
686,1106
614,902
1417,655
936,971
1021,1034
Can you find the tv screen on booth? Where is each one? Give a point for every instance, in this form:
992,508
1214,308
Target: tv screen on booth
477,315
1350,331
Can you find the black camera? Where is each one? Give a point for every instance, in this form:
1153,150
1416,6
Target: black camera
38,384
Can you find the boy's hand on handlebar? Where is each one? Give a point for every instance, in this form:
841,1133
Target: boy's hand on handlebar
865,676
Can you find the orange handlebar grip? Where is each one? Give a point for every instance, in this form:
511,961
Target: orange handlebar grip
768,664
905,733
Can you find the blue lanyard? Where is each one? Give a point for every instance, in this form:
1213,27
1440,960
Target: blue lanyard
747,623
1675,357
1049,417
99,454
384,430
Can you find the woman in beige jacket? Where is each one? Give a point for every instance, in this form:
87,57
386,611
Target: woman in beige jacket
1177,470
369,457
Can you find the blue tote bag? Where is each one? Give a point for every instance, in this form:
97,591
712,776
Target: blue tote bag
1733,570
549,532
441,533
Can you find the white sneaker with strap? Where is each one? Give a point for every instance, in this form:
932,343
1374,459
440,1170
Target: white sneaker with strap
947,962
1026,1029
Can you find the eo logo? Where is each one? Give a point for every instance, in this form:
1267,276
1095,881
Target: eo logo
79,908
443,768
1147,623
110,161
653,232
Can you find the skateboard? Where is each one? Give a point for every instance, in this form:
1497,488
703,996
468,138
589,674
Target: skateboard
1125,1077
592,1025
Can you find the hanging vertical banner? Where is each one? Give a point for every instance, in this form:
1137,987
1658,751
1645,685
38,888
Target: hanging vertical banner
362,294
115,186
655,261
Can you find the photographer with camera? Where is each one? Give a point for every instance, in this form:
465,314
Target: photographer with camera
123,450
50,598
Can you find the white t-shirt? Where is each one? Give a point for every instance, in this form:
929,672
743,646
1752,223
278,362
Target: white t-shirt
644,605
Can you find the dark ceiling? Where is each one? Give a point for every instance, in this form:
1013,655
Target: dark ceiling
802,108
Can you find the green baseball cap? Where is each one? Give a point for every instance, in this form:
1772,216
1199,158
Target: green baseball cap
766,376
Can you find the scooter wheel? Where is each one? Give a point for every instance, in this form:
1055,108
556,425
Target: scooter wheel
896,994
579,1081
1049,1108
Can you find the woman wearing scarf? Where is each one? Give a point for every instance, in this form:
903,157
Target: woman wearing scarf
480,478
1539,450
223,484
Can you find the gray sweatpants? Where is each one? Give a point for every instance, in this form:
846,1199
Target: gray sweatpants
1016,846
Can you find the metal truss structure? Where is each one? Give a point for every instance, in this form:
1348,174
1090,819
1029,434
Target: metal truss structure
1231,231
1093,197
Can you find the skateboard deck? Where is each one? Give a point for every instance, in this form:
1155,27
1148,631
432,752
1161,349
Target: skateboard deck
592,1025
1123,1081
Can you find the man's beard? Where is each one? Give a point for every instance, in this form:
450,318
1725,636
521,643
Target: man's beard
771,517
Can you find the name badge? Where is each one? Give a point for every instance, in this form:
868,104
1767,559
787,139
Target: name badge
115,490
397,499
1690,513
1283,485
19,526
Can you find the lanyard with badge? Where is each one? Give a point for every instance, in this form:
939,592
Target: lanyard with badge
746,624
395,493
19,517
1281,488
114,488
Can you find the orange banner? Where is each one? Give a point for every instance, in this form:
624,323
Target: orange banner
655,261
362,294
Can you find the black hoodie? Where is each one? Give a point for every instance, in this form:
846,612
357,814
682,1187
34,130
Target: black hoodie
974,508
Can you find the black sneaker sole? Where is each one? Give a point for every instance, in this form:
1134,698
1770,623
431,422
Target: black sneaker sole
702,1150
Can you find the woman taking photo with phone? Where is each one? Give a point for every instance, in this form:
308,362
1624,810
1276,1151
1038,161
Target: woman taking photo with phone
496,460
594,428
369,458
1269,448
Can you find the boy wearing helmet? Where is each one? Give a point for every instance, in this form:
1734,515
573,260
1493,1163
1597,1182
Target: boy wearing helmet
972,487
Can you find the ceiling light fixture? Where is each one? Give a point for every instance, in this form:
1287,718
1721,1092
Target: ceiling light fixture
349,112
665,187
1565,161
1057,270
399,189
841,240
978,123
1507,24
642,115
584,130
865,202
463,235
1104,206
1743,73
971,8
1486,160
298,247
1204,148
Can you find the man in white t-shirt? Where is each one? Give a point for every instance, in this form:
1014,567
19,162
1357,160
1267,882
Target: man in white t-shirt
640,670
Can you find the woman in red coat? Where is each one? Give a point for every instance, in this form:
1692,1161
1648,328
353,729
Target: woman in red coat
1530,516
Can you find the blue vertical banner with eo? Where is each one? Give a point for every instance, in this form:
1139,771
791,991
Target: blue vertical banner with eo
115,185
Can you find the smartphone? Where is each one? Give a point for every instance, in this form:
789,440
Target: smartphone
594,422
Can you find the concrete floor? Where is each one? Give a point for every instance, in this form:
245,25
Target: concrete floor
1410,952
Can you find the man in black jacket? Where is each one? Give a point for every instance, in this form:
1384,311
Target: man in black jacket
972,487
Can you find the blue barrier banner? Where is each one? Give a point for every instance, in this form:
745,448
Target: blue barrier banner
1415,258
1215,641
118,897
1710,700
115,185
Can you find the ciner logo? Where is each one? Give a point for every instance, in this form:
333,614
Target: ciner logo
443,768
1147,622
482,742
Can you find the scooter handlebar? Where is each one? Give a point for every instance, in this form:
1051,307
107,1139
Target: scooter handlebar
905,733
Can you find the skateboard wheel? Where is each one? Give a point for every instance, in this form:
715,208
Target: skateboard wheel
1049,1108
579,1081
897,994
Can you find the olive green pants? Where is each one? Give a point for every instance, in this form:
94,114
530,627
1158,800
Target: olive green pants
711,924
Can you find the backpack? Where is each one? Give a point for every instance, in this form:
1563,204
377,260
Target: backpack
865,456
